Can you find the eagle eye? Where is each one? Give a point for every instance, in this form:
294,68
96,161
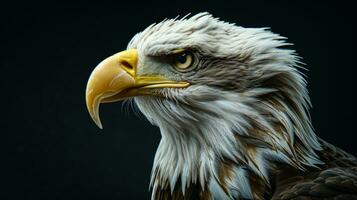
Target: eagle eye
183,60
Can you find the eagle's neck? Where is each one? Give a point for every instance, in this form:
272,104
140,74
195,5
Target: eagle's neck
184,168
225,147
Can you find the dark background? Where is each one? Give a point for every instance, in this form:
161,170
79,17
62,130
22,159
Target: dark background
52,150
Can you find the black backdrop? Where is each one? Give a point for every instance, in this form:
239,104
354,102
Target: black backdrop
52,149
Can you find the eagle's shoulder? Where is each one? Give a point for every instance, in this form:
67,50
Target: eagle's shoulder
333,183
336,179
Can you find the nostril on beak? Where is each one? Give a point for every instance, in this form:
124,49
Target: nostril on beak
127,60
126,65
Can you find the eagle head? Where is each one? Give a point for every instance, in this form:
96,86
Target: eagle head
229,102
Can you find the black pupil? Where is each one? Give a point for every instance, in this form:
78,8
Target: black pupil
181,58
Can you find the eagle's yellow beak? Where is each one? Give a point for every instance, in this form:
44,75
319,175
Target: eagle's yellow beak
115,79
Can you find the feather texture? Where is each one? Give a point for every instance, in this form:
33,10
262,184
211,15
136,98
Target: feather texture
242,124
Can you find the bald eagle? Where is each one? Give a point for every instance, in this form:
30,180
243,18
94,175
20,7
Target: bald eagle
232,108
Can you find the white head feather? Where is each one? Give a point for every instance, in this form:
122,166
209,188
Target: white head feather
248,104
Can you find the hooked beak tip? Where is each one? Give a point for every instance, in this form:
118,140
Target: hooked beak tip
93,109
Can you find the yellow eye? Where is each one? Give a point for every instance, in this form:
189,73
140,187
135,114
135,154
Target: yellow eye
183,60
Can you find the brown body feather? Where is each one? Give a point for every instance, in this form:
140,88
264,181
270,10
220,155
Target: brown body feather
336,179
